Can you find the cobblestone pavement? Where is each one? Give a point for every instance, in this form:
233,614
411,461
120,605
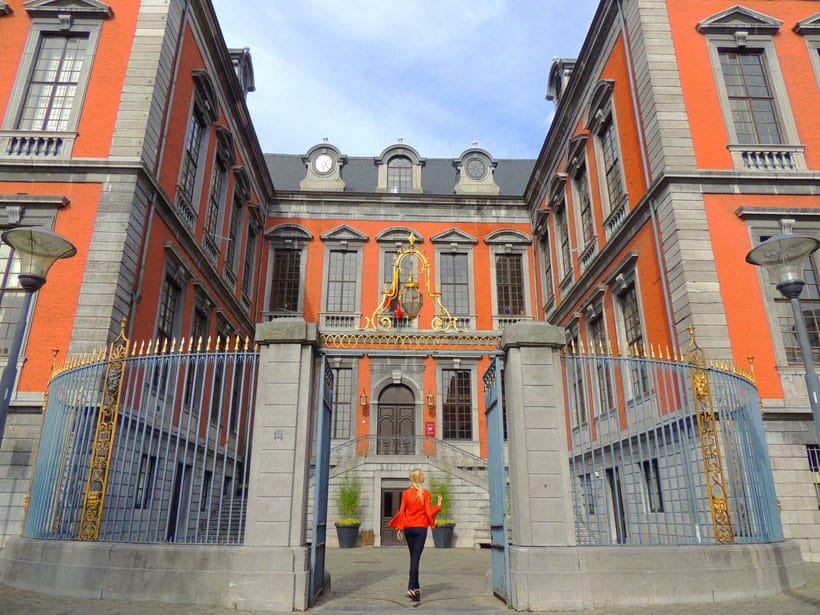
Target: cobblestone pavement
372,581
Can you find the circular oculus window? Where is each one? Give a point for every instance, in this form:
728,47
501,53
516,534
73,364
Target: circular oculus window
476,169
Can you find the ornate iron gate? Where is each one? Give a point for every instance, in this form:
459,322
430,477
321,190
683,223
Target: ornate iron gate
321,478
497,478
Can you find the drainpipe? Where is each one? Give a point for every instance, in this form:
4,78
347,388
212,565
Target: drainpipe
667,299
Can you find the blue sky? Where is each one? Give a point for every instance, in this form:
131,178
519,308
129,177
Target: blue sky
440,74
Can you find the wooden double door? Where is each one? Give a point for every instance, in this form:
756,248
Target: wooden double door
396,426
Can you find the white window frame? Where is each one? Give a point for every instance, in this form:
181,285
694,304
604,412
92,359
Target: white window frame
85,20
416,161
739,28
767,222
390,241
25,210
809,28
578,172
454,241
623,277
347,239
601,114
352,365
290,237
510,241
445,364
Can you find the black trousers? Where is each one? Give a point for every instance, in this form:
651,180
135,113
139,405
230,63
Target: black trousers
415,537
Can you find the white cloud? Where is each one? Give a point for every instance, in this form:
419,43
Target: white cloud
440,74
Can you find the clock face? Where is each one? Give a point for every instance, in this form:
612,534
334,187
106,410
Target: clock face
323,163
476,169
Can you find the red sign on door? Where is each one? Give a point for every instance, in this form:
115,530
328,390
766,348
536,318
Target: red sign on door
430,429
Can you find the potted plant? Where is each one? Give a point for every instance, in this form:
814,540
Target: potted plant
348,500
443,532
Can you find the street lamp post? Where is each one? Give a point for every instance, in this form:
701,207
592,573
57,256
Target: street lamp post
38,249
784,256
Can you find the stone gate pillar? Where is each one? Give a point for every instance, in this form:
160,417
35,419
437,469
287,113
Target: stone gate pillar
543,525
279,471
540,495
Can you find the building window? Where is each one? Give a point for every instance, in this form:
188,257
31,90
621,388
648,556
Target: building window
52,88
610,154
761,130
509,280
343,400
601,121
457,408
603,385
633,338
286,282
810,306
216,197
652,485
578,393
200,330
580,184
455,275
145,482
169,308
55,68
509,276
192,153
565,251
454,279
751,101
233,250
342,281
813,453
250,260
405,268
168,318
399,174
287,257
13,299
546,267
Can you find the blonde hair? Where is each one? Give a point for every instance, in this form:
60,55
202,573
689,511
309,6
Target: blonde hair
416,479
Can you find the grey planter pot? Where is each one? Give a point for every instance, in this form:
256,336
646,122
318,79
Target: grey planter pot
443,536
348,535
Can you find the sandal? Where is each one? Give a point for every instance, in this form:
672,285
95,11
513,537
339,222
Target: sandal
417,596
411,594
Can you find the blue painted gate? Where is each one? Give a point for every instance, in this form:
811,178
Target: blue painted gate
498,480
320,480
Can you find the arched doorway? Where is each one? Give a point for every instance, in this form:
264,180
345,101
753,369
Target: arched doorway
396,424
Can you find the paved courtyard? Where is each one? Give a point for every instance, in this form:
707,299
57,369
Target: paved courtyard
372,581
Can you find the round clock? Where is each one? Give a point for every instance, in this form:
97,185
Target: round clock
476,169
323,164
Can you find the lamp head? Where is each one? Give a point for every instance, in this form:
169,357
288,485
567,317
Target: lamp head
38,248
411,298
784,257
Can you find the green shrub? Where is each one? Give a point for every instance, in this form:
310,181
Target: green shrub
441,487
348,500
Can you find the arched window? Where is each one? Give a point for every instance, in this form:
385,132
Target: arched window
399,174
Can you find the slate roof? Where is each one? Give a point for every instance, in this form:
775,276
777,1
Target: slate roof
438,175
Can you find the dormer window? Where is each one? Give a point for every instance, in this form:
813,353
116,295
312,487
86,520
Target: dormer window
399,170
399,174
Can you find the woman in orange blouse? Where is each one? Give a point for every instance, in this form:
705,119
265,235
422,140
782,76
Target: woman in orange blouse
415,515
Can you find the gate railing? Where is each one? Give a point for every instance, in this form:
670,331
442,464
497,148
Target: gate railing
666,452
175,449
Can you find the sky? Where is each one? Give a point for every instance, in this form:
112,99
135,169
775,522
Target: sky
439,74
